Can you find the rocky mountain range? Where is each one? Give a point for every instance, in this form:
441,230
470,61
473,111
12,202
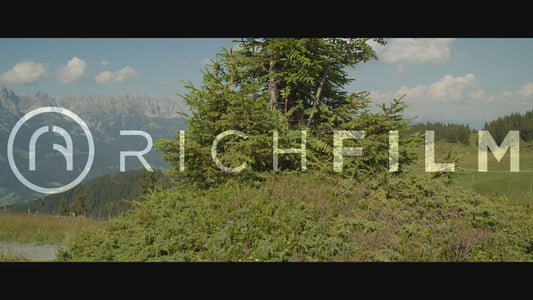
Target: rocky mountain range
115,105
104,115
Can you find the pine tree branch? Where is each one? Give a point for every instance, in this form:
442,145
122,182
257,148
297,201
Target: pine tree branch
272,87
318,93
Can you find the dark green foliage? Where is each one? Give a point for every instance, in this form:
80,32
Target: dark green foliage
516,121
100,197
315,218
301,74
451,133
148,183
63,210
356,115
284,85
80,206
227,100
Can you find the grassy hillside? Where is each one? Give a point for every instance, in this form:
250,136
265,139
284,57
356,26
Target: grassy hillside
44,229
498,181
312,217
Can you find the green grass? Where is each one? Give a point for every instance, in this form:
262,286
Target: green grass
40,229
498,181
314,217
13,258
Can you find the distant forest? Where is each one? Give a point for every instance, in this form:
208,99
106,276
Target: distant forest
516,121
451,133
460,133
101,197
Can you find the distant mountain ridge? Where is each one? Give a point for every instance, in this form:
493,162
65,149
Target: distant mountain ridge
8,100
127,103
105,116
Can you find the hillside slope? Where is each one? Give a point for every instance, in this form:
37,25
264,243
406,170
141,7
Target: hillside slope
106,195
497,181
307,217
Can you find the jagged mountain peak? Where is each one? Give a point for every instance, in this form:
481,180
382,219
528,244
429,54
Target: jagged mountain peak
130,103
105,116
124,104
9,101
6,92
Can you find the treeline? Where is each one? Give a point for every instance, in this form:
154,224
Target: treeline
451,133
100,197
516,121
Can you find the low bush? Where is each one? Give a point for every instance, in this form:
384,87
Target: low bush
313,217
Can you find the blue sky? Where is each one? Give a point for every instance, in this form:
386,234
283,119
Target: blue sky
464,80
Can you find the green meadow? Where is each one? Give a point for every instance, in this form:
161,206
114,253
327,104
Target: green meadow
497,181
44,229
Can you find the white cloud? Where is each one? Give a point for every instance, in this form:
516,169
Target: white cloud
452,88
418,50
104,77
104,63
26,71
72,71
458,98
124,74
447,89
409,51
477,95
526,90
378,48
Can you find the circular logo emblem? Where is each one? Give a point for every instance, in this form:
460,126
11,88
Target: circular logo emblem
31,114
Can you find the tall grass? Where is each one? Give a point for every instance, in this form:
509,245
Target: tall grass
13,258
42,229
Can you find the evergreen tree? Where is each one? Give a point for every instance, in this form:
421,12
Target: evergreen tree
300,75
522,122
148,182
285,85
81,203
227,100
451,133
63,210
99,193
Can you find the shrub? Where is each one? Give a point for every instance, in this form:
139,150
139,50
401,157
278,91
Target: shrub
313,217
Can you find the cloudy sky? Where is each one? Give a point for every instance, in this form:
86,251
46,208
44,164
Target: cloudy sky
464,80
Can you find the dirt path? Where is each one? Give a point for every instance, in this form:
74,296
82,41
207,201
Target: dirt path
30,251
